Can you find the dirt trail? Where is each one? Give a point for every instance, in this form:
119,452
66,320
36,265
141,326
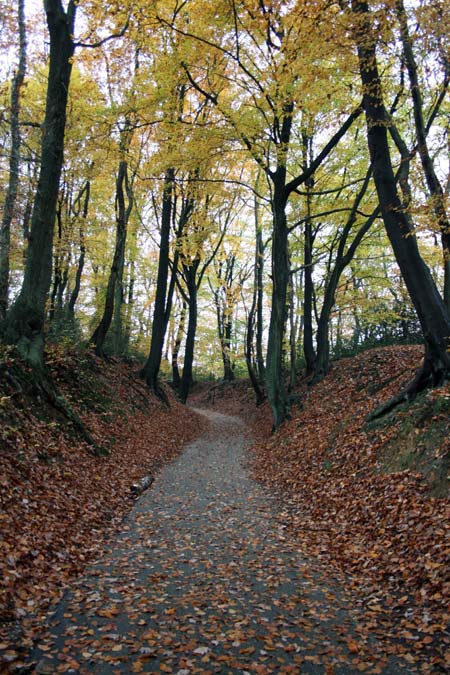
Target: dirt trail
204,580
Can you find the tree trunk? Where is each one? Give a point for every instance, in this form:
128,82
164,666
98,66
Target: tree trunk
14,160
57,269
80,266
292,336
186,378
256,374
260,306
228,372
276,388
116,274
433,184
430,308
130,307
24,324
176,378
342,260
308,342
150,371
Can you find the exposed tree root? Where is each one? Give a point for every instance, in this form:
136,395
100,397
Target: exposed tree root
432,373
51,394
155,387
40,382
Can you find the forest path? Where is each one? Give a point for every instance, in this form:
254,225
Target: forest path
203,580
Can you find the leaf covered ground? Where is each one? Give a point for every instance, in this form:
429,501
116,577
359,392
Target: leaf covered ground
360,496
59,503
203,580
368,501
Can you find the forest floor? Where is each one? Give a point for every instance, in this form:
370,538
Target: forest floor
203,580
336,561
369,499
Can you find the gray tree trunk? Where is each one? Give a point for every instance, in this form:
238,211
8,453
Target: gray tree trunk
429,305
14,161
24,323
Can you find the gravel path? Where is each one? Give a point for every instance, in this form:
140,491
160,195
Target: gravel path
203,580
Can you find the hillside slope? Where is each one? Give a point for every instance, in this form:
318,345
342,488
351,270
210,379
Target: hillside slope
360,496
59,503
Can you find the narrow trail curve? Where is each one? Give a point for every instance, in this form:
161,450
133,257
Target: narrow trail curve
203,580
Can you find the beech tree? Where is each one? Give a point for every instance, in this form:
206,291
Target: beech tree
14,160
422,127
262,38
124,199
422,289
24,323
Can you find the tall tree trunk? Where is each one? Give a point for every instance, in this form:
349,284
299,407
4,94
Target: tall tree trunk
80,266
116,273
276,388
430,308
343,259
117,327
129,307
228,372
176,378
259,274
255,367
186,379
292,336
24,324
433,184
57,269
14,161
308,301
150,371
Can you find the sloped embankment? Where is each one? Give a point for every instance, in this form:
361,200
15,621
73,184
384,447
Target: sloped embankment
59,503
360,496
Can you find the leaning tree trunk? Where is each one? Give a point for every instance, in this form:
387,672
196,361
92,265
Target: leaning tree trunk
343,259
24,324
14,161
429,305
433,183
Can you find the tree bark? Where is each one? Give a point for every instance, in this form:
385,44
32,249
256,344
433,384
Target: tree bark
255,366
150,371
176,377
14,161
80,266
433,184
276,387
114,287
430,308
24,323
308,302
186,378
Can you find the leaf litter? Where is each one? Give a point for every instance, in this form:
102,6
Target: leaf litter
221,584
203,580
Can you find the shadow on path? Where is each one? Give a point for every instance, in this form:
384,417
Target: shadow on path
203,580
